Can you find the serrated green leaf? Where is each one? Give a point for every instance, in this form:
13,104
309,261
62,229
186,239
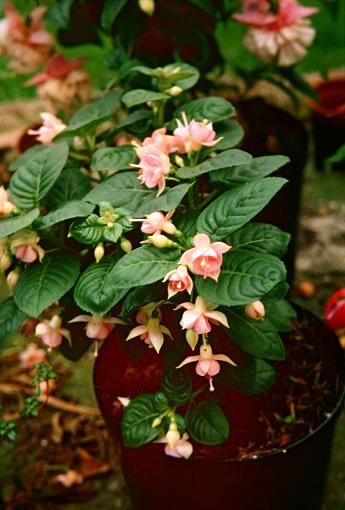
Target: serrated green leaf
245,277
59,14
253,377
72,184
92,115
177,387
256,337
23,159
143,266
110,12
207,424
43,283
109,160
260,237
141,96
93,292
231,133
226,159
12,224
87,230
11,318
73,209
214,109
237,206
167,201
134,117
138,297
279,312
256,169
32,181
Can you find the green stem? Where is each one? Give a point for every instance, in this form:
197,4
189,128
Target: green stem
79,157
208,199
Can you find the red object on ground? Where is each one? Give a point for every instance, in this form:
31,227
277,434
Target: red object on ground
331,103
335,311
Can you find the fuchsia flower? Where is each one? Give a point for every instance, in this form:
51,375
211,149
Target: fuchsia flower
192,136
153,166
151,331
207,363
51,331
156,222
6,207
182,449
164,143
179,280
206,258
255,310
335,311
31,355
199,315
97,327
282,36
24,245
70,478
50,128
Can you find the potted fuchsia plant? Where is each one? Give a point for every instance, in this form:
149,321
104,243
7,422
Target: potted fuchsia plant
151,247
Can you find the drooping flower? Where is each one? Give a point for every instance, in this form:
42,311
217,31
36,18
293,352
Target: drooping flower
199,315
206,258
97,327
164,143
192,136
151,331
51,332
255,310
282,36
70,478
179,280
182,449
153,166
31,355
6,207
24,245
50,128
157,222
207,363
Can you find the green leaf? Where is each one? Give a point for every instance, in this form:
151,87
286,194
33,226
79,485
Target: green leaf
12,224
260,237
124,190
112,159
279,312
11,318
91,115
110,11
74,209
178,74
226,159
256,169
212,108
136,426
87,230
177,387
134,117
136,298
59,14
143,266
71,185
43,283
231,133
256,337
23,159
207,424
245,277
140,96
338,157
94,292
253,377
32,181
237,206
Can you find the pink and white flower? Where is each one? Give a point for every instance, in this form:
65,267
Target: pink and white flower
31,355
192,136
206,258
157,222
50,128
51,332
151,331
153,166
282,36
255,310
6,207
182,449
164,143
97,327
179,280
207,363
24,245
70,478
198,316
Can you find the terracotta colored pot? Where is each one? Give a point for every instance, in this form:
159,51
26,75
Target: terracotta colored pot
290,478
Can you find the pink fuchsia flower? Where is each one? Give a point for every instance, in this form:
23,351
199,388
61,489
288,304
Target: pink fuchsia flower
51,332
31,355
50,128
179,280
153,166
48,387
182,449
192,136
206,258
157,222
70,478
6,207
151,331
164,143
282,36
97,327
199,315
24,245
335,311
207,363
255,310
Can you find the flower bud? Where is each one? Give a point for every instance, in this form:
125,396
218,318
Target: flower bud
159,241
147,6
5,261
99,252
255,310
156,422
173,435
126,245
179,161
12,278
124,401
192,338
174,91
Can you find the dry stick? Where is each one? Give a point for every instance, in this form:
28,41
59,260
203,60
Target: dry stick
57,403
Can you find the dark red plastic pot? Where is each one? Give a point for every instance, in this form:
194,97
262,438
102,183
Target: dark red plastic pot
289,479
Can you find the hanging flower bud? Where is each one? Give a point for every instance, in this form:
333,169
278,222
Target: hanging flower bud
159,241
5,261
255,310
12,278
147,6
99,252
173,436
126,245
192,338
174,91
